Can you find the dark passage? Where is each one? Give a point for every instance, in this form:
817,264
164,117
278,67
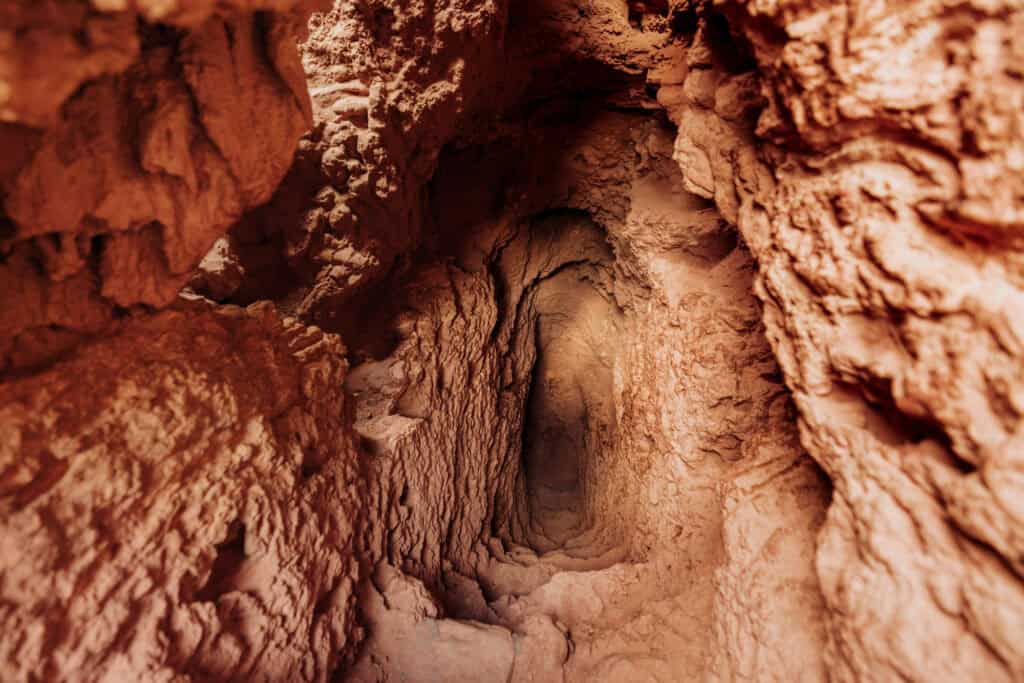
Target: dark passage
570,413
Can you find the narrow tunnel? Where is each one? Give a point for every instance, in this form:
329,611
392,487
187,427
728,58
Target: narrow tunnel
519,340
559,372
569,413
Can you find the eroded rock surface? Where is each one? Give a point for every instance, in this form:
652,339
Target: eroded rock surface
134,137
665,340
883,221
615,312
189,519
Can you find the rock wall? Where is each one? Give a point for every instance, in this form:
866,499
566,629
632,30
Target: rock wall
136,137
391,84
573,341
881,207
188,518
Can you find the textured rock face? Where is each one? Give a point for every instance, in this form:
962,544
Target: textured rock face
888,266
391,83
665,340
190,518
135,137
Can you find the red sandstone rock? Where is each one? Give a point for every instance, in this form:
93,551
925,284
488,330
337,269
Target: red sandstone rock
678,341
188,517
135,145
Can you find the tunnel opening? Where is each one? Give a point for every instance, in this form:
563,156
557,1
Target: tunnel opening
559,379
557,374
568,414
556,329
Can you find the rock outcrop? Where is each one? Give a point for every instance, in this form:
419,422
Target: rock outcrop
135,134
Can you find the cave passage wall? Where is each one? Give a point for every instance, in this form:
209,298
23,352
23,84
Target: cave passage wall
561,340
